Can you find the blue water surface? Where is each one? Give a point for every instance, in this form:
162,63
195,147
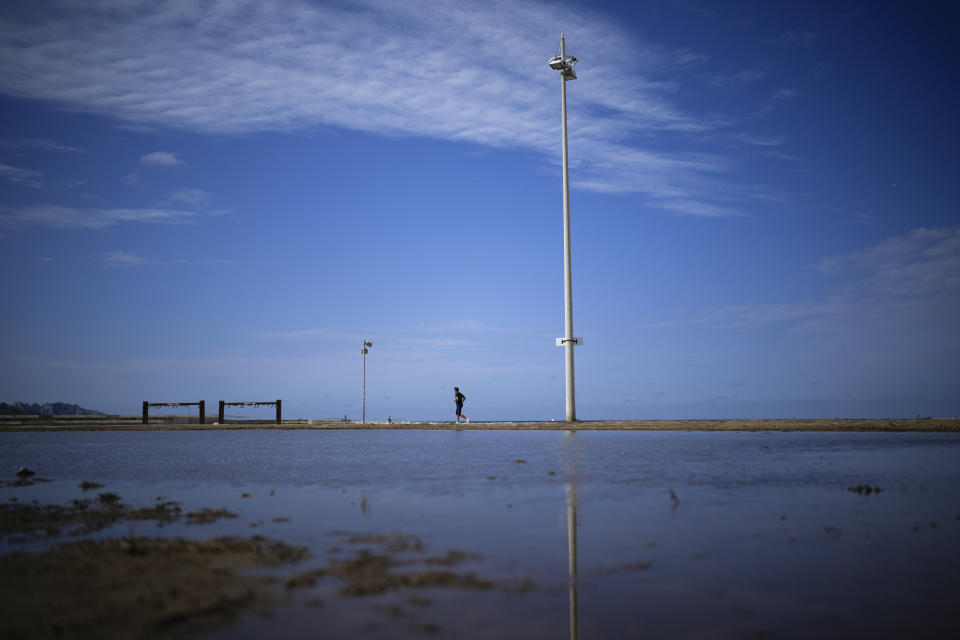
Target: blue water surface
623,534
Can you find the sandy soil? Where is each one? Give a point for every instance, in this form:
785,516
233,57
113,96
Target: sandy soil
928,425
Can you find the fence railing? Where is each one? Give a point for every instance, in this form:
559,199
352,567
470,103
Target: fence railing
248,404
147,405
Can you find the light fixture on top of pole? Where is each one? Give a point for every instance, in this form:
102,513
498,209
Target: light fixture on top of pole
564,64
366,345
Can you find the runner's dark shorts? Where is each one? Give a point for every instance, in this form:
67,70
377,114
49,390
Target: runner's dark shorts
459,408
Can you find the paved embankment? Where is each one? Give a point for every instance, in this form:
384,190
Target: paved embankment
123,423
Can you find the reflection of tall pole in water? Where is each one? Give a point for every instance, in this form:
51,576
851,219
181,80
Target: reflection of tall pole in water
572,554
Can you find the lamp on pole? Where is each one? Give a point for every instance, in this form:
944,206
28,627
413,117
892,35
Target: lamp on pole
364,351
564,64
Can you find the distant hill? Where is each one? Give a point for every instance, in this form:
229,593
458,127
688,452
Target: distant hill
46,409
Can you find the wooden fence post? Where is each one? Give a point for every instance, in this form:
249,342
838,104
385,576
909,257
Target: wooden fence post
220,419
146,412
278,412
203,413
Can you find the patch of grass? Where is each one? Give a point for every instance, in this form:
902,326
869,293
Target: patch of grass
108,498
96,588
397,563
208,515
864,489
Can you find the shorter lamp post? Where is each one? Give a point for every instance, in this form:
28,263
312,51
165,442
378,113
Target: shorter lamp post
364,351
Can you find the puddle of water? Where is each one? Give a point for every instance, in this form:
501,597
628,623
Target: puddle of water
621,534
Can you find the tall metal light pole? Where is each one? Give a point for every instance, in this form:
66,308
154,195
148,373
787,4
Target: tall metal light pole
364,351
564,64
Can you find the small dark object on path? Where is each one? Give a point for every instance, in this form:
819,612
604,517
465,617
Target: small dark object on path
86,485
23,472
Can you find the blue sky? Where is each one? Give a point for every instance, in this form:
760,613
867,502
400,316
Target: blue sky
221,200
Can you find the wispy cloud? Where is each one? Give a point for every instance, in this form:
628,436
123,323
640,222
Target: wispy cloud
780,95
17,175
472,72
925,262
465,326
123,259
131,259
910,274
305,334
193,197
58,217
161,159
692,8
39,145
744,76
447,333
744,315
699,209
798,38
759,141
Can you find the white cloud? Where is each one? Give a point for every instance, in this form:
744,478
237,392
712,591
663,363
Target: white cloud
699,209
58,217
744,76
473,72
923,263
800,38
407,335
751,75
161,158
780,95
303,334
40,145
21,176
760,141
466,326
916,275
131,259
193,197
123,259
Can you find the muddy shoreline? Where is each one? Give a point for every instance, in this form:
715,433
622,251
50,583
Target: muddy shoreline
154,587
921,425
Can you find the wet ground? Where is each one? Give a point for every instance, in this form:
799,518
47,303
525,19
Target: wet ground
516,534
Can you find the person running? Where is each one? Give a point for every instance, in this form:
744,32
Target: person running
459,398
